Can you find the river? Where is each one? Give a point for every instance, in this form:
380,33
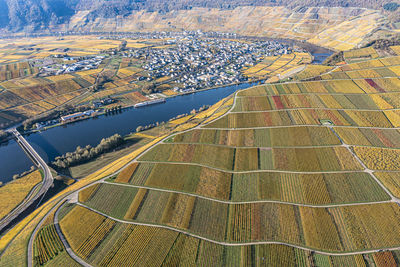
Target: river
59,140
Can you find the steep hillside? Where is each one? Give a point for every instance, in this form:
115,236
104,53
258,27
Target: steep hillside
339,24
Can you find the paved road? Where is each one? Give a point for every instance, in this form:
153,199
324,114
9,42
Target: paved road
71,253
46,183
366,169
65,242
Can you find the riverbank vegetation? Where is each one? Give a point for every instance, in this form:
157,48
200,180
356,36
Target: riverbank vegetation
81,155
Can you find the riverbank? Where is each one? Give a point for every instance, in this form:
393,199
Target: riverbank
56,141
124,108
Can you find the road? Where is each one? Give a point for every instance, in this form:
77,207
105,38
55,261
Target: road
64,241
362,169
45,185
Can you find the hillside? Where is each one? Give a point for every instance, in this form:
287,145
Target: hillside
342,24
301,173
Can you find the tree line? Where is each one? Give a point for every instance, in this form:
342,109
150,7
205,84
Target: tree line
84,154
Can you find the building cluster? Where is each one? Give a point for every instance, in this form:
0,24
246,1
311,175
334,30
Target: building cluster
196,63
63,64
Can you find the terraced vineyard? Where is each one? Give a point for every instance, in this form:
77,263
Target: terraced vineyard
300,173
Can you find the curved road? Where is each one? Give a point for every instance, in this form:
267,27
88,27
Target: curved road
46,183
64,241
364,169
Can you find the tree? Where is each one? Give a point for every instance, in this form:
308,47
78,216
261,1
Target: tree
149,88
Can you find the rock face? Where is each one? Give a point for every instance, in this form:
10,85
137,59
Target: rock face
45,15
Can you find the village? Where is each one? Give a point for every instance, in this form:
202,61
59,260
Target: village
62,64
186,61
197,63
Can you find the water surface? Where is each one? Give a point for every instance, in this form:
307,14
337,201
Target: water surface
59,140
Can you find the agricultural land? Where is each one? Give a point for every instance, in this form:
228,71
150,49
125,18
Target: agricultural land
42,79
299,169
295,173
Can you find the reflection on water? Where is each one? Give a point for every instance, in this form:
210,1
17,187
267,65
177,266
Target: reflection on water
59,140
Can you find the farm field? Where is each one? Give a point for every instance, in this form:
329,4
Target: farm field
16,70
279,174
378,101
26,93
47,245
250,159
326,87
310,117
290,163
15,192
268,137
257,186
198,216
10,49
158,247
274,67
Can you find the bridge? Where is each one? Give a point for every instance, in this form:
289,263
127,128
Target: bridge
34,194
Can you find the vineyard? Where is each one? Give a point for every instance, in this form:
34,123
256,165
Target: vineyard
310,165
274,67
293,188
16,191
248,159
272,137
162,247
362,118
382,101
331,229
47,245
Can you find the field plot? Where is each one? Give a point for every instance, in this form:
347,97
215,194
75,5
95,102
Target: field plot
347,86
396,49
333,229
277,66
347,34
325,87
132,244
127,173
22,49
315,189
363,53
15,192
192,179
47,245
273,137
379,158
112,199
219,157
370,137
248,159
391,180
16,70
304,117
312,71
295,188
36,89
93,229
377,102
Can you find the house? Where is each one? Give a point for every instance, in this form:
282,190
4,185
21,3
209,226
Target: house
76,116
